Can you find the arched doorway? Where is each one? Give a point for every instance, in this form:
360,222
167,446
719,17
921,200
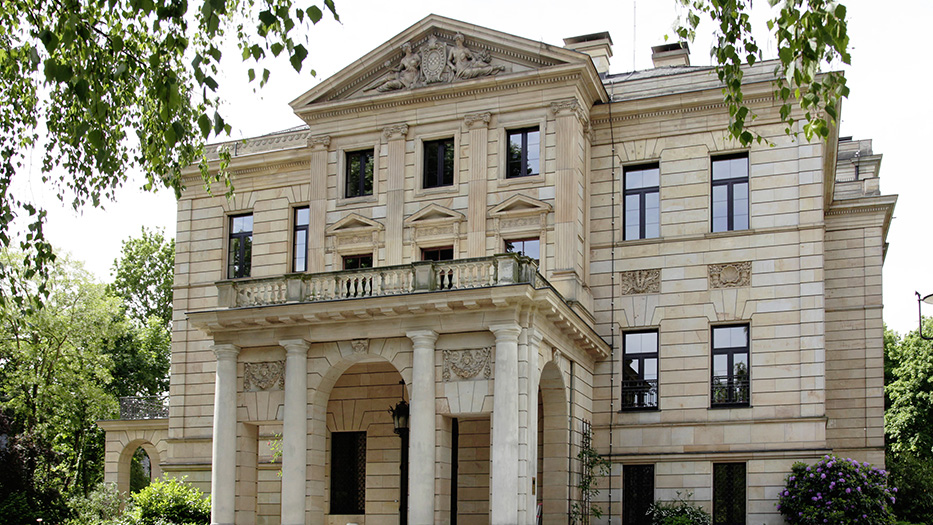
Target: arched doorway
553,445
138,465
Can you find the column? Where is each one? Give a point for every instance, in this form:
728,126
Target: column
423,426
317,210
395,197
478,124
529,477
223,448
504,503
295,432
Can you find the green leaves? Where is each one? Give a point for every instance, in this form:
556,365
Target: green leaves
811,35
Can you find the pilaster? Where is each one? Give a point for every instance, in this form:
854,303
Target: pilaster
478,126
317,207
395,136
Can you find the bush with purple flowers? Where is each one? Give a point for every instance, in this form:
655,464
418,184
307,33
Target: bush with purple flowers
838,491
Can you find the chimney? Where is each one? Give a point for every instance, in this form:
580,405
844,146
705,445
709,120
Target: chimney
597,45
677,54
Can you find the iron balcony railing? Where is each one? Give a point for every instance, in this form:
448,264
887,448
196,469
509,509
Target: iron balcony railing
730,390
138,407
640,394
424,276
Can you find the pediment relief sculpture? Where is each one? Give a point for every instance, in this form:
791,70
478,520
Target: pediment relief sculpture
266,375
435,62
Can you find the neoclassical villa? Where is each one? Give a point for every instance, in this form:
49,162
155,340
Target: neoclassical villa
483,254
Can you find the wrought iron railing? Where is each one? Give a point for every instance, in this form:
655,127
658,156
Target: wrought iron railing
150,407
729,390
422,276
640,393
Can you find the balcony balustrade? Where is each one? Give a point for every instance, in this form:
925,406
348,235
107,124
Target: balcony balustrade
424,276
147,407
730,390
640,394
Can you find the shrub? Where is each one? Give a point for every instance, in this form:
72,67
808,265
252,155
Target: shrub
912,474
836,490
681,511
169,501
102,505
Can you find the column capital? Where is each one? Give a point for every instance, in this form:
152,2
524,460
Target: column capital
295,346
480,120
225,351
506,331
422,337
319,142
398,131
570,107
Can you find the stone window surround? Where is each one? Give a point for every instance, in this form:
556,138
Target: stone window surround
728,154
502,136
228,223
419,141
529,224
657,356
748,352
292,228
342,151
641,163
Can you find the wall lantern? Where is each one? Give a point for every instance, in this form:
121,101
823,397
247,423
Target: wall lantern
920,300
400,417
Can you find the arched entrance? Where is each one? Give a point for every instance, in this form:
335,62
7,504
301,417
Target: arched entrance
553,445
129,475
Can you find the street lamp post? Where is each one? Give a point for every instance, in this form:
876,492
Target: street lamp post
929,300
400,420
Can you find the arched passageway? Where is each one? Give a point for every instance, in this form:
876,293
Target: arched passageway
553,445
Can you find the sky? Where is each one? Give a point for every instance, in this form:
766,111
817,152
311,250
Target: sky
888,103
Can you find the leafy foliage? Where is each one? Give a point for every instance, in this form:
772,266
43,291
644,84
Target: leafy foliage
101,506
593,466
809,33
104,87
836,490
681,511
908,420
168,500
143,276
912,474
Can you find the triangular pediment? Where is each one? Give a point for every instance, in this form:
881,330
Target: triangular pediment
353,223
433,214
434,53
519,205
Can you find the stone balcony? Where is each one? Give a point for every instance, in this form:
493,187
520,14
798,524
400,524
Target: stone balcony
424,276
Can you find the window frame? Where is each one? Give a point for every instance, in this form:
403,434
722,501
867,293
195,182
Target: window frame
641,193
360,465
297,229
240,256
344,258
630,516
426,146
345,155
736,395
730,184
438,249
524,152
717,502
636,386
505,243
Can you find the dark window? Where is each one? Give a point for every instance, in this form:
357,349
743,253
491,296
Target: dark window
445,253
438,163
356,262
730,193
730,381
729,493
359,173
300,240
640,370
527,247
637,493
642,202
348,472
524,153
240,243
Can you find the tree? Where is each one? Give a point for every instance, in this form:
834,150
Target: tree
55,369
810,34
104,87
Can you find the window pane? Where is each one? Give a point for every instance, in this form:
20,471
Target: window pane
720,208
302,216
301,250
730,168
368,180
651,368
515,155
630,369
533,153
448,163
652,215
241,224
645,177
720,365
632,217
740,206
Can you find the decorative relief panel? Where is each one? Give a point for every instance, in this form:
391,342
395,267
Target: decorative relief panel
360,346
467,364
266,375
731,275
435,62
640,281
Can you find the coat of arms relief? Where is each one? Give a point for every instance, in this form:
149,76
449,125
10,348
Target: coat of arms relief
435,62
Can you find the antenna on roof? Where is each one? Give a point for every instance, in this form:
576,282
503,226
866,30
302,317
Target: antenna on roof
634,25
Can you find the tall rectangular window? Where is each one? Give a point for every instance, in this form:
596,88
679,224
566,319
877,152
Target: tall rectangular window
359,173
729,493
637,493
300,240
642,202
438,163
640,370
730,381
527,247
730,192
240,246
524,153
348,472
